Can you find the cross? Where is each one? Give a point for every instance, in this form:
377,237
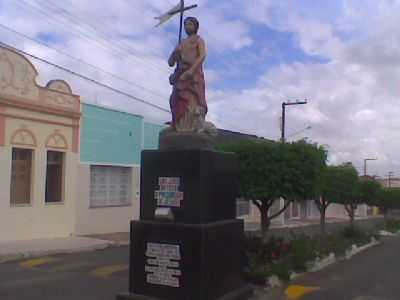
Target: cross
180,8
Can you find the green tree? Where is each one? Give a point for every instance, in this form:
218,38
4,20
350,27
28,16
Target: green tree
342,188
389,198
368,190
270,171
329,192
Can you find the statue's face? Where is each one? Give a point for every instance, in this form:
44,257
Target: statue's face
190,27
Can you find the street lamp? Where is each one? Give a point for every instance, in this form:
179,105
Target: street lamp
365,164
284,104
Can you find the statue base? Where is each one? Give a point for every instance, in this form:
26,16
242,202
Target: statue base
170,261
180,140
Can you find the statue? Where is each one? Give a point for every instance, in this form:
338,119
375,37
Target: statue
188,129
188,101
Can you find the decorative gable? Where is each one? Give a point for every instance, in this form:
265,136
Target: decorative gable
18,88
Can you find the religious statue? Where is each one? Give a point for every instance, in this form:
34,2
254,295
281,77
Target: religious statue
189,128
188,101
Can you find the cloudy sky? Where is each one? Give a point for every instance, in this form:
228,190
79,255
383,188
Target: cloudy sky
341,55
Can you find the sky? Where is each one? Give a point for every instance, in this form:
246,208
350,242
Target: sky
340,55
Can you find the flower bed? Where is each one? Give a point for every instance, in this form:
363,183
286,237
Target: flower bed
301,253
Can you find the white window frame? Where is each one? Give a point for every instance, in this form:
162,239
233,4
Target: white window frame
108,202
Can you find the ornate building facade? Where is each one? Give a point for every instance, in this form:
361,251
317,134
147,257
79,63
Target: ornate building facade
39,152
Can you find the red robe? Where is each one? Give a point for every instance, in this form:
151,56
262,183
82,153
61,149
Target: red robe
190,89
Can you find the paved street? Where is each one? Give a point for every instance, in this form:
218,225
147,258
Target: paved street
371,275
94,275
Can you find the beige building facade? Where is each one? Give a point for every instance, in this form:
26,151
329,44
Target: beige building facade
39,152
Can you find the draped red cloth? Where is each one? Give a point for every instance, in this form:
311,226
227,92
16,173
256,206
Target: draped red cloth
185,91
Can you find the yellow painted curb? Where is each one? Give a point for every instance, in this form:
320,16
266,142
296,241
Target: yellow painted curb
108,270
36,262
295,292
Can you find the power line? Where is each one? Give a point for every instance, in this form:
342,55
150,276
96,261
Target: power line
94,28
103,35
80,60
85,35
298,131
85,77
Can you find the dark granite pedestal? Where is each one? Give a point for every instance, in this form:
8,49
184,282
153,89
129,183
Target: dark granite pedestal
207,263
197,255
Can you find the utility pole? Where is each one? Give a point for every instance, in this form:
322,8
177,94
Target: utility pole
365,164
284,104
389,179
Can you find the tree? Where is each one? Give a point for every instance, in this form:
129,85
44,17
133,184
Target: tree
342,188
389,198
368,190
329,192
270,171
365,192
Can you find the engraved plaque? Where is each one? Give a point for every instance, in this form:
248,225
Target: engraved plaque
163,264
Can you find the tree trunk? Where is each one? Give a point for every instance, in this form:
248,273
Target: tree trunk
265,220
350,211
352,216
322,219
322,205
384,218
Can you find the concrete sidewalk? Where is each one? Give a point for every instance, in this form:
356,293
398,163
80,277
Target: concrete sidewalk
14,250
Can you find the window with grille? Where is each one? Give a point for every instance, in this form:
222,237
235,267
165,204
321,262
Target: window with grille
21,173
109,186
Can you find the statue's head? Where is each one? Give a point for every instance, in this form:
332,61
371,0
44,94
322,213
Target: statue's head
191,25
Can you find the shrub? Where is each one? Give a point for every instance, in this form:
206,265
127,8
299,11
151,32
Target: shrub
278,257
356,235
303,249
282,270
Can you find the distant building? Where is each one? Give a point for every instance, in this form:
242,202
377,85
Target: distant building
227,136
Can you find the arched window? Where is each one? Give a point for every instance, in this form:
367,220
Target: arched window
23,137
56,141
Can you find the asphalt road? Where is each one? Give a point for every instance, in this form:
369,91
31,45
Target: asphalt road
371,275
98,275
94,275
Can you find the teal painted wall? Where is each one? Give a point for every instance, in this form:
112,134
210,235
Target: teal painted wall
109,136
151,132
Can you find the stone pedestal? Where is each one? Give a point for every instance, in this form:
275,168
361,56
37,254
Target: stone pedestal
198,255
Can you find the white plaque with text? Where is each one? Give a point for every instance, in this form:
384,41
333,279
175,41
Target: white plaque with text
162,264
